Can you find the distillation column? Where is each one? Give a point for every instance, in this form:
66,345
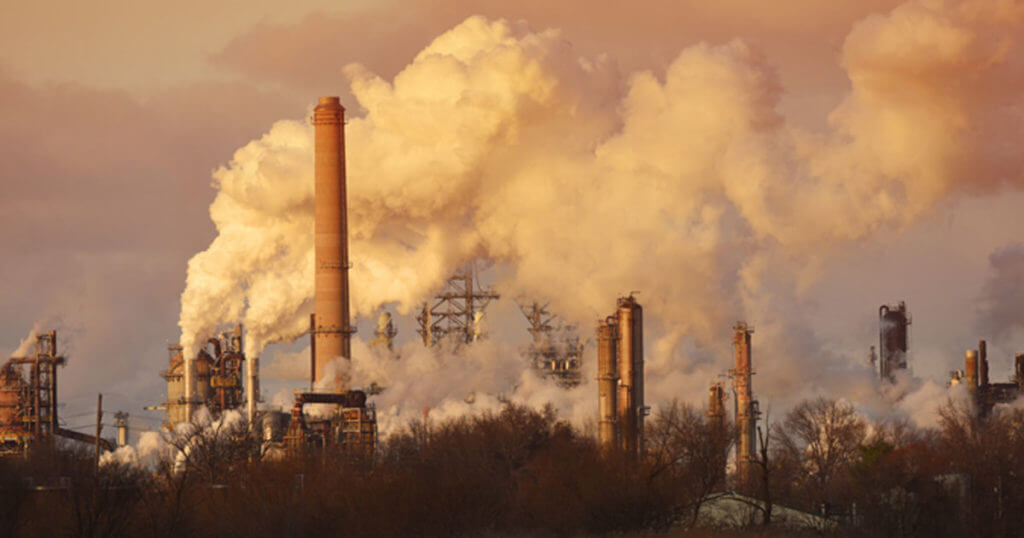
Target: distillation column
746,407
607,382
629,355
332,331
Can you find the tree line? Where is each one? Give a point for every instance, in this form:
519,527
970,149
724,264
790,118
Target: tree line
524,472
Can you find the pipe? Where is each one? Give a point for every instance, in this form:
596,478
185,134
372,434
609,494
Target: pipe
189,366
333,330
607,379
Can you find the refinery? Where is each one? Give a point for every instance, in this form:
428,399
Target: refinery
330,416
522,269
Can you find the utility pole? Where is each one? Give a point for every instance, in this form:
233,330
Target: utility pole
99,428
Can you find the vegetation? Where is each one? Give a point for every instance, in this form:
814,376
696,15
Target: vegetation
520,472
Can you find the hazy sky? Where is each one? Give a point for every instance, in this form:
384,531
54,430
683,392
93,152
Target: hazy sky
114,114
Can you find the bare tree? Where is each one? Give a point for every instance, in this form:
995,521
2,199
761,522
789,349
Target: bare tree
825,435
689,450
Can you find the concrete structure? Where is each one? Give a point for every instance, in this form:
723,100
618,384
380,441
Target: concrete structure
621,378
893,339
332,329
346,421
746,410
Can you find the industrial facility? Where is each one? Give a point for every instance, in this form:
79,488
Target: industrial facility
211,379
555,350
29,404
975,375
893,344
620,378
457,312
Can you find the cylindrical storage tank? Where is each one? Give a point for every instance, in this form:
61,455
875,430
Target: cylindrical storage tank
607,381
331,243
971,369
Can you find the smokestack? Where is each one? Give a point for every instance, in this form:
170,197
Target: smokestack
1018,363
188,365
746,407
971,370
252,376
629,355
122,428
982,365
332,332
607,382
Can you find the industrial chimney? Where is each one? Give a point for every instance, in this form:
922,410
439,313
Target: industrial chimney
331,331
746,407
971,370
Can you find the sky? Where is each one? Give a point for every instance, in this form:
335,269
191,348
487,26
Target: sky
120,126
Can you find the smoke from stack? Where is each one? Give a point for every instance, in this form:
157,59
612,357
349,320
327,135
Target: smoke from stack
730,194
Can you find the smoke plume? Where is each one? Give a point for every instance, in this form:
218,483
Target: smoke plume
582,183
1002,309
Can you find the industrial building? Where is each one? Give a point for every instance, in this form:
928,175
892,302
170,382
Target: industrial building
29,404
555,350
975,375
213,377
216,379
620,378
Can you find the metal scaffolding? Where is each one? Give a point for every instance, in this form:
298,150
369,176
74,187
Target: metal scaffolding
556,351
456,313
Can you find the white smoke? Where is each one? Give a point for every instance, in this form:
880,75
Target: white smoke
163,446
500,142
27,345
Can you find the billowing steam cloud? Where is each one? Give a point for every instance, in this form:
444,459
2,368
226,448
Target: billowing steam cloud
500,142
1003,300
